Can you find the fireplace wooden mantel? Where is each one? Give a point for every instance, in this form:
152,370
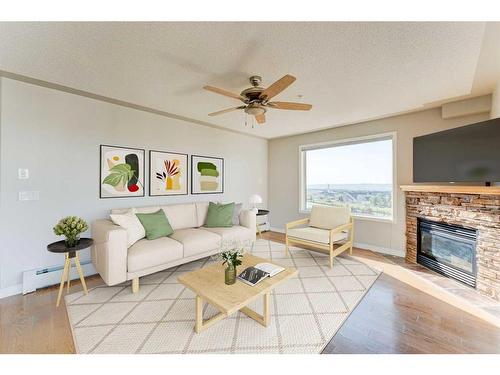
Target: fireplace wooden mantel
453,189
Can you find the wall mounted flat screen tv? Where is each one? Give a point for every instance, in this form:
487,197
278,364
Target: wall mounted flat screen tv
467,154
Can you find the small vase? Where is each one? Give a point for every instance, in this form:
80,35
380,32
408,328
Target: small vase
230,275
71,242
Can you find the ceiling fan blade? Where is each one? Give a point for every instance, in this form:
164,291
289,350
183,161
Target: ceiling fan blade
261,119
223,92
225,111
277,87
290,105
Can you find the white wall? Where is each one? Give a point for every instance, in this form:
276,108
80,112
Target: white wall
495,102
56,136
284,171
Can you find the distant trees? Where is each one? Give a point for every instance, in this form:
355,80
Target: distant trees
364,202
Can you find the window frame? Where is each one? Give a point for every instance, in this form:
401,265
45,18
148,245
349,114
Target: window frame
343,142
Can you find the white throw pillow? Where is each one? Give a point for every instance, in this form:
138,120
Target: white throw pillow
130,222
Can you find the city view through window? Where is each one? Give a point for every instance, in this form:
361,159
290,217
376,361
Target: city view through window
358,175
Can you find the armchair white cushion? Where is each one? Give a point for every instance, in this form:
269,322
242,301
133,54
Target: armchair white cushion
326,217
316,235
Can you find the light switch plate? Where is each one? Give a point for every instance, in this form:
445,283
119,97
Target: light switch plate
29,195
23,173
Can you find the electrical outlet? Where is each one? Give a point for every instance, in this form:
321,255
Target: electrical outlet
29,195
23,173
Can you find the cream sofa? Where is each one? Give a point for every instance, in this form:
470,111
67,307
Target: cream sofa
190,241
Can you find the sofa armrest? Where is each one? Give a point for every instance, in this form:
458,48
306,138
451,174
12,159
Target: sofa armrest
109,252
248,219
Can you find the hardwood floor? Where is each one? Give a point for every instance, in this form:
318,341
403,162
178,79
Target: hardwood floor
392,318
33,324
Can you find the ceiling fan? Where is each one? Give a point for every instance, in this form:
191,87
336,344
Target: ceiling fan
257,99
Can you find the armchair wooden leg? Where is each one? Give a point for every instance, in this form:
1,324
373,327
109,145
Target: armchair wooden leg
331,256
286,245
135,285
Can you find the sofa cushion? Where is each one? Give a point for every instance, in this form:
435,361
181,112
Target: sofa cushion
201,213
155,224
130,222
236,213
181,216
196,241
316,234
220,215
234,233
145,253
326,217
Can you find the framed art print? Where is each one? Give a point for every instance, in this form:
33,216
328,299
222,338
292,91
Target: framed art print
121,172
207,175
168,173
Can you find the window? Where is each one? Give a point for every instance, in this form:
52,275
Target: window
358,173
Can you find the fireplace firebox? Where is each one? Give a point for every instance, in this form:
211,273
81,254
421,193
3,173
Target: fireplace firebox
447,249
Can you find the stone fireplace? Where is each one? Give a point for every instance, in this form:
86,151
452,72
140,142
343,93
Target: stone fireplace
472,210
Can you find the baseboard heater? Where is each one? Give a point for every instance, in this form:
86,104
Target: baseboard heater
44,277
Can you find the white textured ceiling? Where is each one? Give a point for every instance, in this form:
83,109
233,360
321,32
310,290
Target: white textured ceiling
349,71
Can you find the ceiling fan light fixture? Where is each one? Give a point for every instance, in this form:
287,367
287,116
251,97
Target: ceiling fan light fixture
255,110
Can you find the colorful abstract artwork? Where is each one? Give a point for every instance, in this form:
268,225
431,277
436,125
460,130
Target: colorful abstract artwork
207,175
167,173
122,172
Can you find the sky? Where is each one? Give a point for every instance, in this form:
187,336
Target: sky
362,163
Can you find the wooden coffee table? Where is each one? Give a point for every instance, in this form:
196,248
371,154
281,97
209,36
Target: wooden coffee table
208,284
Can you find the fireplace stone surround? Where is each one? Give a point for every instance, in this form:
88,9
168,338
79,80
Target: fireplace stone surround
472,207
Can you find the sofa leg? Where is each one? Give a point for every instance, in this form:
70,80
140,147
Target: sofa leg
135,285
350,249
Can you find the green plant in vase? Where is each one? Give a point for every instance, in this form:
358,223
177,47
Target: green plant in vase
70,227
232,259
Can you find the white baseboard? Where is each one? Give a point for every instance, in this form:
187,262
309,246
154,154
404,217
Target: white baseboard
378,249
34,282
11,290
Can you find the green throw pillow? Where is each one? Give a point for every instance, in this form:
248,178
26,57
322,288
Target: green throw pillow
156,225
219,215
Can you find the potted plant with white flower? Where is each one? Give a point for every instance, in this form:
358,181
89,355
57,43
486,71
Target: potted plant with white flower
71,227
231,254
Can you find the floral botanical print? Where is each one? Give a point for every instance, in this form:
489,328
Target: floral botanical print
168,173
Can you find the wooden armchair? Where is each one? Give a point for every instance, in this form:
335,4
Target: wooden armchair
327,226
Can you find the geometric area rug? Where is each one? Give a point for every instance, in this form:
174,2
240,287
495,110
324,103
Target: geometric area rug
306,311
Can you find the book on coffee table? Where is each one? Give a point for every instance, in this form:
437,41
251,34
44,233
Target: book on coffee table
255,274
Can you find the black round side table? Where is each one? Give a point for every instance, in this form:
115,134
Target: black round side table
70,253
